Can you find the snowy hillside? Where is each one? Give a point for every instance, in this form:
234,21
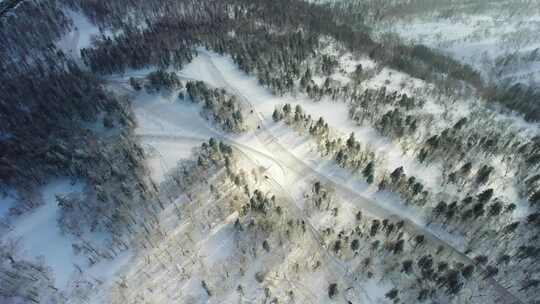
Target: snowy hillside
490,46
258,152
502,45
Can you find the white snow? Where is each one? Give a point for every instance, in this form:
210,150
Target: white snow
166,114
41,236
376,291
479,39
173,120
73,41
83,28
81,36
219,245
7,201
170,128
164,154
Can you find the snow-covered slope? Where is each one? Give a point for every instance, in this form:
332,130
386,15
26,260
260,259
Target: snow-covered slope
36,237
236,173
502,45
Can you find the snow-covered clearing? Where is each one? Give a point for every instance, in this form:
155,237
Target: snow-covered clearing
163,155
39,237
204,68
162,115
166,114
81,35
335,113
171,127
159,116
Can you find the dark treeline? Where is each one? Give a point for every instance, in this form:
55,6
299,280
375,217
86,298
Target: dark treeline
58,120
258,28
172,29
169,40
44,112
26,38
422,62
518,97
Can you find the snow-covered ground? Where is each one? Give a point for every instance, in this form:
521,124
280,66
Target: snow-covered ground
159,116
40,235
81,36
501,46
39,239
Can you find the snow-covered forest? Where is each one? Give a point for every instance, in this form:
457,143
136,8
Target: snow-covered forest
254,151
